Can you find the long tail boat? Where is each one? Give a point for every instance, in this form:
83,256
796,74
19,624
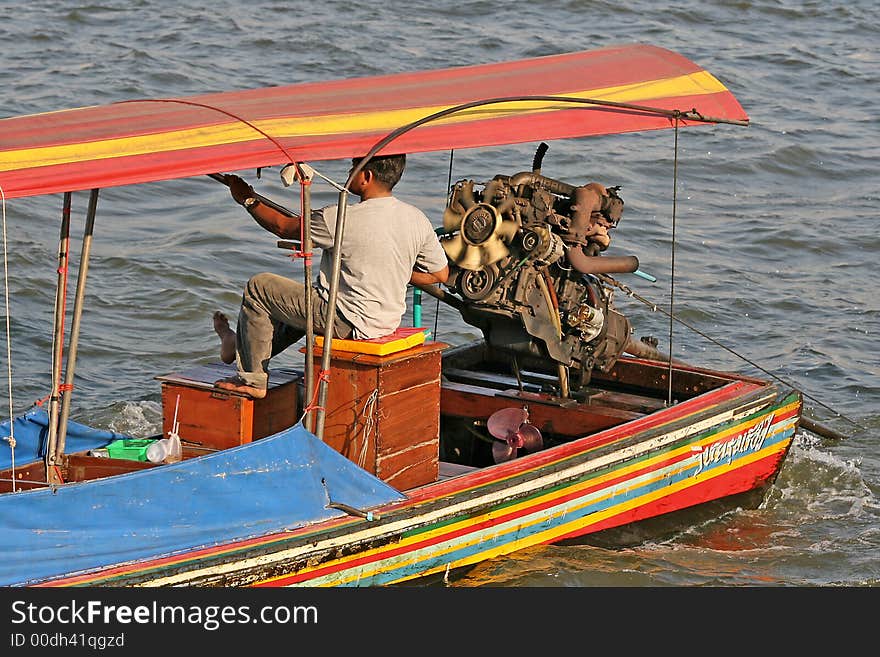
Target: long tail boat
389,460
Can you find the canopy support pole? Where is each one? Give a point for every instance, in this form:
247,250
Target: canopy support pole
75,322
669,399
330,320
306,234
60,310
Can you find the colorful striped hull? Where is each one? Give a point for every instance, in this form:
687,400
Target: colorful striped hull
723,443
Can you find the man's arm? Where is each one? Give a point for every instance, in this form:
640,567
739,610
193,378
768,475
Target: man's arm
267,217
429,278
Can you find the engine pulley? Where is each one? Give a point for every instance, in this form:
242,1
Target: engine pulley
476,284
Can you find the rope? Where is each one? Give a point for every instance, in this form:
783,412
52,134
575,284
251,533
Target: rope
323,375
449,178
368,412
305,255
62,387
11,438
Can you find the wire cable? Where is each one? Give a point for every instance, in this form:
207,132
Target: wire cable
11,438
629,292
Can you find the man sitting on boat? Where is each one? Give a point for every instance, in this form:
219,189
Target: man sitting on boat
387,244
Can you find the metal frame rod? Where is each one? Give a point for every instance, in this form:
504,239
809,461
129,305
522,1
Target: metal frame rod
330,320
57,351
690,115
306,234
75,322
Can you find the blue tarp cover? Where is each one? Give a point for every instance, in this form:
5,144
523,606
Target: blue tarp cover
31,431
271,484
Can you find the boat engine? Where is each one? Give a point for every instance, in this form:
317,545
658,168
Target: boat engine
524,251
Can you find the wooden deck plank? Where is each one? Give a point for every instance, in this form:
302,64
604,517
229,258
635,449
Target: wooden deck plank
623,400
467,400
450,470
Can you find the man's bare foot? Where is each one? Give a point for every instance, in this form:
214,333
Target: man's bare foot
227,337
237,384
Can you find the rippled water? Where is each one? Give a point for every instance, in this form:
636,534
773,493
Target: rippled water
776,238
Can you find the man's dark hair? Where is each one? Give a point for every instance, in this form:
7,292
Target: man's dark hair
387,168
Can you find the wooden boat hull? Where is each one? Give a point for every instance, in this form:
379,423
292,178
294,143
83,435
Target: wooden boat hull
720,444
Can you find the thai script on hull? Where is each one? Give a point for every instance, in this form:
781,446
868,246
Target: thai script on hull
750,440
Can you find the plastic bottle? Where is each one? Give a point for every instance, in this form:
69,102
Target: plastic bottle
165,450
157,452
174,449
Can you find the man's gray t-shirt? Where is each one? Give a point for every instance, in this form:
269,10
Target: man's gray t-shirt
384,239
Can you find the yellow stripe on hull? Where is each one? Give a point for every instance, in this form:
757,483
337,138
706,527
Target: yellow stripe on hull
411,558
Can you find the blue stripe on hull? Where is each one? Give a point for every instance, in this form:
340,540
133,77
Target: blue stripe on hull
570,514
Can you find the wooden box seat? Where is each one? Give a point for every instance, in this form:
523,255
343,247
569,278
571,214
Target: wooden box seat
382,411
214,418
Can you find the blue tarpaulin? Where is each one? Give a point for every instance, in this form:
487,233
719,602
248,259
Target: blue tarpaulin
31,431
275,483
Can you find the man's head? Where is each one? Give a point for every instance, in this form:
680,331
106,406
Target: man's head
386,169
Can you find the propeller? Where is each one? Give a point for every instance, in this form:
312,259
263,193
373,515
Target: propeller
512,432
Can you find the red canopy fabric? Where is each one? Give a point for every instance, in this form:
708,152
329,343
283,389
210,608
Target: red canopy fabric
158,139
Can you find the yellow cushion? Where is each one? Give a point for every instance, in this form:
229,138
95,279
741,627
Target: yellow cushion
402,338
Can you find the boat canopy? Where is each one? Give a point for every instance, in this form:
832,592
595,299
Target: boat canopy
137,141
